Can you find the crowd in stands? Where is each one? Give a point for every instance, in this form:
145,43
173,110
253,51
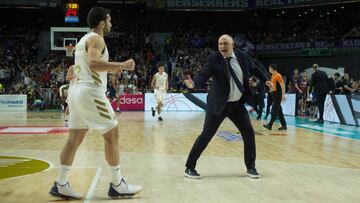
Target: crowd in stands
187,50
133,43
303,29
22,72
184,52
299,84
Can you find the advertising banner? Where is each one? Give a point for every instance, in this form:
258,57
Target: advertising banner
13,102
132,102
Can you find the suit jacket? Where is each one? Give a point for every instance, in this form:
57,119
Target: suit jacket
217,68
319,81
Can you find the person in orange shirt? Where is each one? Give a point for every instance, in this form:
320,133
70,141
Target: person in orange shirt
277,89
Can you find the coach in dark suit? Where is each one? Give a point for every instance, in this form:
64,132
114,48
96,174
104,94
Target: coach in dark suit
319,81
230,72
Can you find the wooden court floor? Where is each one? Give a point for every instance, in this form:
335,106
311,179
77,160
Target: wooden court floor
296,166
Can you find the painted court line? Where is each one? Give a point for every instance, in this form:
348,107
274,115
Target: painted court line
93,185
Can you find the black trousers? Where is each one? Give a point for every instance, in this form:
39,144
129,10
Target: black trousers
238,114
297,98
276,111
321,103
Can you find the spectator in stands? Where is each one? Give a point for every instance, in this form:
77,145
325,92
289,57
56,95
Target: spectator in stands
2,89
258,89
38,103
304,87
357,91
338,84
347,85
294,88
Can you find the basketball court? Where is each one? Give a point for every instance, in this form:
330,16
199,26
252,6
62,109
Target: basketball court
307,163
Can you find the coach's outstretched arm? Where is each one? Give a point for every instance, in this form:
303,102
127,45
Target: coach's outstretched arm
95,46
203,76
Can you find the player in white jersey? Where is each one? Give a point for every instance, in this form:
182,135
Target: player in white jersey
160,84
90,109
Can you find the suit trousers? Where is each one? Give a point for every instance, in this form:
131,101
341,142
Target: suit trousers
238,114
321,104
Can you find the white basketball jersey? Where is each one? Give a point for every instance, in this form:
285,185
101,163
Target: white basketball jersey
82,69
161,80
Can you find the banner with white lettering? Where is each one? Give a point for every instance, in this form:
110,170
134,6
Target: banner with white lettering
333,43
132,103
13,102
237,4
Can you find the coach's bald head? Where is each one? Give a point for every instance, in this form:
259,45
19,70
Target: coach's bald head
226,45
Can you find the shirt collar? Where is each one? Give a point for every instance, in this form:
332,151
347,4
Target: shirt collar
233,56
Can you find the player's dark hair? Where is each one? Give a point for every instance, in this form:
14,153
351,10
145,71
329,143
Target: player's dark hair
96,15
159,64
273,66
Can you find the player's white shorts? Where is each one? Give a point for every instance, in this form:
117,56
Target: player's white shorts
90,109
68,93
160,95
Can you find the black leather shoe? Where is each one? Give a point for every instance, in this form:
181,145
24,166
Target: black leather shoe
267,127
192,173
153,111
282,128
252,173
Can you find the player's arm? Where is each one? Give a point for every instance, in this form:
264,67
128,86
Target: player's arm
95,46
202,76
283,89
113,81
312,82
70,73
153,81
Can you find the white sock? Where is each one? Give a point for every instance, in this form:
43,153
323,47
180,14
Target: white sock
63,174
116,175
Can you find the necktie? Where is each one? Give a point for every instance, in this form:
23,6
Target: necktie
233,75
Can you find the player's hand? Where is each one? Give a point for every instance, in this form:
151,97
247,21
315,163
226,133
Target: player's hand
129,64
189,82
283,98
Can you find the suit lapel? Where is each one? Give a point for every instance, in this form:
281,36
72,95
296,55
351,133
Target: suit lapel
224,67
